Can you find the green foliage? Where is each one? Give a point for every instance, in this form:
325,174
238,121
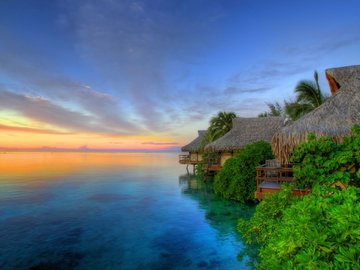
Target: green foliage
220,125
295,109
267,216
309,96
320,230
325,162
207,157
210,156
275,109
309,92
199,170
236,181
206,140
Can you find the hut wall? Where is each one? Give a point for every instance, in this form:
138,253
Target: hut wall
225,156
195,156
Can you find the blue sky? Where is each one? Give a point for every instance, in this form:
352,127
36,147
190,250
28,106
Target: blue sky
153,72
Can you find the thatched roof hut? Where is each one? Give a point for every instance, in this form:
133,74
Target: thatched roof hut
195,145
246,131
333,118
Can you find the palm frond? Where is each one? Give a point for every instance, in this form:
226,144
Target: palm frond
221,124
308,93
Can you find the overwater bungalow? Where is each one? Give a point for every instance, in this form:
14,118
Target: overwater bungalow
245,131
333,118
194,155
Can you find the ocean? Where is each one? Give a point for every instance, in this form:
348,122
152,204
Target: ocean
113,211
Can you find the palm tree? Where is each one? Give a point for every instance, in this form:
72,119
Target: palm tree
275,110
309,97
206,139
220,124
295,109
310,92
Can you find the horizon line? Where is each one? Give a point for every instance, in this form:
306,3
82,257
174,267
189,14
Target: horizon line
2,151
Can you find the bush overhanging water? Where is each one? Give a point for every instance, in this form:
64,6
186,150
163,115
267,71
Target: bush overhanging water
320,230
236,181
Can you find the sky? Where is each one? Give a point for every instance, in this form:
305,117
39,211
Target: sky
146,75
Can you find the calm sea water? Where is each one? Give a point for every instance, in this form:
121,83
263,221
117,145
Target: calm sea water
112,211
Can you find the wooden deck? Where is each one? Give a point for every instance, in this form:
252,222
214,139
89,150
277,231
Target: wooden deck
270,178
212,165
185,159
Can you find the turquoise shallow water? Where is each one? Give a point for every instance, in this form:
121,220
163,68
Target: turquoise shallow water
112,211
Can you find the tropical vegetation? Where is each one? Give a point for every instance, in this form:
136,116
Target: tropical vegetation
236,180
207,157
323,161
308,97
219,126
275,109
320,230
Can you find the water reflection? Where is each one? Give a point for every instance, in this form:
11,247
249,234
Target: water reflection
189,183
111,211
221,214
51,166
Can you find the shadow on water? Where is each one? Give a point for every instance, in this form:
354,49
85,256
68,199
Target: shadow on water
221,214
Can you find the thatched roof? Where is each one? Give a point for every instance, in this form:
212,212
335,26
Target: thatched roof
333,118
246,131
195,145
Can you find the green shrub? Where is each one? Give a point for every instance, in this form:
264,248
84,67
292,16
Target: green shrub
325,162
266,217
199,169
320,230
236,181
210,155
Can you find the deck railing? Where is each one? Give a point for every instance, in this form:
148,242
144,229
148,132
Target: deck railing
184,159
274,174
271,175
212,164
